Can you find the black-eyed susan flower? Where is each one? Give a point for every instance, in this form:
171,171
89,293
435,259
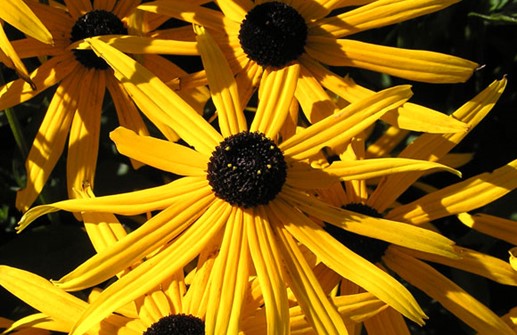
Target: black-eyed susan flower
458,198
260,35
82,78
243,194
20,16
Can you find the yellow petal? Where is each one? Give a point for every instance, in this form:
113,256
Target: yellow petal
155,233
377,14
36,323
157,101
503,229
236,10
433,146
42,295
50,140
348,264
20,16
461,197
151,273
390,231
513,258
223,86
376,167
83,142
268,264
160,154
448,294
319,311
339,128
229,278
130,203
386,143
276,93
418,65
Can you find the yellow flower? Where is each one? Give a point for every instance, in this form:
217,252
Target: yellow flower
461,197
242,192
82,78
20,16
260,35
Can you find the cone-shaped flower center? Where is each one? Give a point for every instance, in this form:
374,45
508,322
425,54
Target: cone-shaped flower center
273,34
369,248
95,23
247,170
178,324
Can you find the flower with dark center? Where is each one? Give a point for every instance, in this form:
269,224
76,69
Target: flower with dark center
370,248
95,23
247,170
178,324
273,34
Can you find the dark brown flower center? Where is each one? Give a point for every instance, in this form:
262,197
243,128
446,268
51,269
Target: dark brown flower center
273,34
95,23
178,324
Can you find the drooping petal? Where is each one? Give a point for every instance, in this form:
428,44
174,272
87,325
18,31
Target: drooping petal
340,127
377,14
83,142
223,86
160,154
20,16
345,262
503,229
157,101
319,311
268,264
461,197
35,324
50,140
10,58
450,295
418,65
387,322
151,273
229,278
434,146
156,232
130,203
276,92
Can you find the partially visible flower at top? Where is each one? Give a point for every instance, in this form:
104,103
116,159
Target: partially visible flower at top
242,197
458,198
260,35
74,112
20,16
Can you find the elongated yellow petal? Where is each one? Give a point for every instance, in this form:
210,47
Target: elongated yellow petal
268,264
229,278
42,295
418,65
47,75
433,146
386,143
410,116
376,167
161,154
276,93
37,322
377,14
236,10
151,273
321,314
20,16
130,203
157,101
503,229
83,142
152,235
223,86
10,58
450,295
50,140
339,128
461,197
390,231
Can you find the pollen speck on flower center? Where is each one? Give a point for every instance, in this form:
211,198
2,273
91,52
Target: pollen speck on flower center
273,34
247,170
95,23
